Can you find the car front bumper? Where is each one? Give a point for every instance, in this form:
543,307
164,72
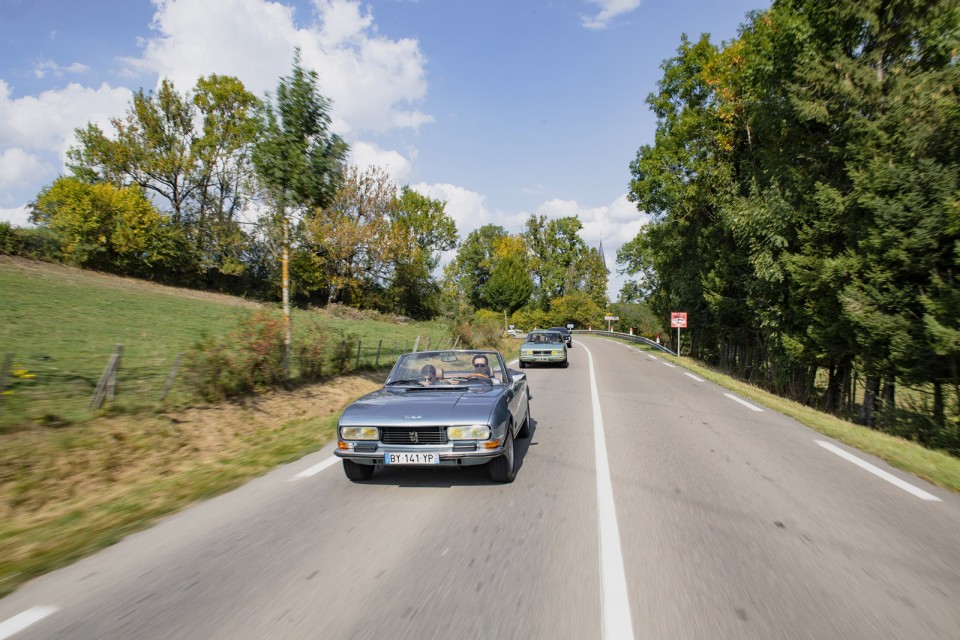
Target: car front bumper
451,455
538,357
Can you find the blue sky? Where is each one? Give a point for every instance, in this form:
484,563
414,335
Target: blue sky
501,108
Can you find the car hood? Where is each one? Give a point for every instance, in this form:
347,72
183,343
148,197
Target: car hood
399,406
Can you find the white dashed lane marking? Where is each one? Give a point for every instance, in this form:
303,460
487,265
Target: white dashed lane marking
743,402
688,374
880,473
21,621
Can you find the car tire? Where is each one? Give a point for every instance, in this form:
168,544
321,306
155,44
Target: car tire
566,363
523,365
503,468
357,472
525,427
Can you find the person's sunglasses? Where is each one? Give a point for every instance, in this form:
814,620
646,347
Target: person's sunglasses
479,365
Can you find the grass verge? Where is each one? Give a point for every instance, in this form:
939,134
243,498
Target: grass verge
70,492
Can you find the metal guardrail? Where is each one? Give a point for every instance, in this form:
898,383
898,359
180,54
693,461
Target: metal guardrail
624,336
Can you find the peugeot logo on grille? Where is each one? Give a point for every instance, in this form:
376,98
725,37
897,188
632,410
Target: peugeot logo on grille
414,437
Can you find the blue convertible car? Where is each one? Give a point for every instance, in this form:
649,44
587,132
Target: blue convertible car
441,408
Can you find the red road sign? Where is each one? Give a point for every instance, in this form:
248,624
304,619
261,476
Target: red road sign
678,320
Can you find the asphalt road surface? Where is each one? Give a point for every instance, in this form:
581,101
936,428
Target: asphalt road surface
648,504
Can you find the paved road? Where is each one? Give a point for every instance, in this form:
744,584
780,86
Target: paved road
657,507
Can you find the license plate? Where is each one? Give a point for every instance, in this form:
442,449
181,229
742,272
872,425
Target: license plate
411,458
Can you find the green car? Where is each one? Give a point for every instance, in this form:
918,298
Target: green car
544,347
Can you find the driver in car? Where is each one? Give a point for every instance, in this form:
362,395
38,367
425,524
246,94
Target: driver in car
482,367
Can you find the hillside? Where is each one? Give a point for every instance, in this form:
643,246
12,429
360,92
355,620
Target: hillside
60,325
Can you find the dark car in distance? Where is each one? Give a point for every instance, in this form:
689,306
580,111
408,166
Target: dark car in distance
565,333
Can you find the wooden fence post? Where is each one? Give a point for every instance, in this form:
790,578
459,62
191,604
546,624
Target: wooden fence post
376,363
106,387
416,345
171,377
7,359
357,366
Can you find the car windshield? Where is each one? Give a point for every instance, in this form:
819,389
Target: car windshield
544,337
447,368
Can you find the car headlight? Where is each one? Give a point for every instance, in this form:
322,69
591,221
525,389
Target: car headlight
526,352
557,352
473,432
360,433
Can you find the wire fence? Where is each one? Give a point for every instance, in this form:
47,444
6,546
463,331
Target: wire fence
47,391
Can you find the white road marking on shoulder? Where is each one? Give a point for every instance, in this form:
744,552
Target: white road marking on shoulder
315,469
669,365
615,604
880,473
652,357
743,402
21,621
687,373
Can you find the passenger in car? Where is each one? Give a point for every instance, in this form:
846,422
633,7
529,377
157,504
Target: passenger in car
429,373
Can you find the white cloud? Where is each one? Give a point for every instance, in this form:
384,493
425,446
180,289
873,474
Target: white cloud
19,169
609,9
372,80
42,68
17,217
45,123
467,208
366,154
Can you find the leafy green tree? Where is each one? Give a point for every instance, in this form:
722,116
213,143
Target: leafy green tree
559,258
576,308
298,160
421,229
509,286
104,227
469,272
190,155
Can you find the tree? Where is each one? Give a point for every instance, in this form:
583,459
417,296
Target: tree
469,272
421,229
298,160
350,237
190,155
558,257
509,286
104,227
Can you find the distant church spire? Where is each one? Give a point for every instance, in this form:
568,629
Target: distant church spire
602,257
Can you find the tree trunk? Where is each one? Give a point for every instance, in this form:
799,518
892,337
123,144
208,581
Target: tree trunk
939,415
868,410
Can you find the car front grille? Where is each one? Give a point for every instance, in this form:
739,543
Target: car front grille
544,352
413,435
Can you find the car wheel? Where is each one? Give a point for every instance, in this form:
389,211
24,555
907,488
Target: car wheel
357,472
566,363
503,469
525,427
523,365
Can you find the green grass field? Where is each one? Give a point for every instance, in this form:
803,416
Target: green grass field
60,325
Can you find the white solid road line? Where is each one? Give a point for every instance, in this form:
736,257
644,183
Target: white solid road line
743,402
315,469
880,473
615,604
23,620
687,373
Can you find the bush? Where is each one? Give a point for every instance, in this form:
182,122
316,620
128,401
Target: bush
483,332
311,347
343,352
37,244
529,318
249,357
